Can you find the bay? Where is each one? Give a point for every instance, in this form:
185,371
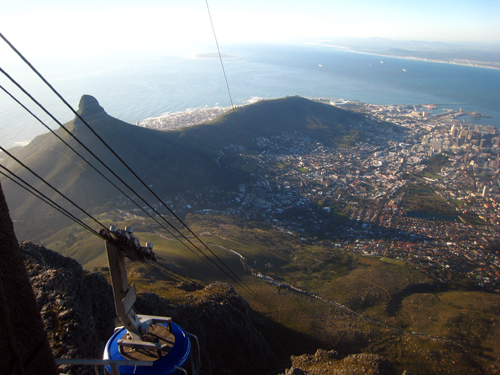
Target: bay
136,87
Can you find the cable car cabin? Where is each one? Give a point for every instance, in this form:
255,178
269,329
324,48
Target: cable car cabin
173,355
146,344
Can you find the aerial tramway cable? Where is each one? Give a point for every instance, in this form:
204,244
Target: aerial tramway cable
225,76
48,201
98,159
29,188
99,172
52,187
236,278
138,195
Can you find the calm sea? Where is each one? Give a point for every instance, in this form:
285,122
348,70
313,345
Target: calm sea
137,87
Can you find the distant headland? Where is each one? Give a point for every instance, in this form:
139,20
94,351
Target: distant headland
478,55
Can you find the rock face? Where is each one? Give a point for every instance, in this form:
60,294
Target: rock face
225,327
79,316
90,110
23,343
76,306
332,363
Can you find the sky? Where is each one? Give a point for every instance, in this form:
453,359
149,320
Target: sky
62,27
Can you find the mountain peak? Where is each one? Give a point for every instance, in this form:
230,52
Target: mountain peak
89,104
89,109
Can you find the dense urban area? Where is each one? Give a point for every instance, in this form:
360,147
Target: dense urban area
425,192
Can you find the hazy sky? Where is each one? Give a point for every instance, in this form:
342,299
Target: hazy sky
67,26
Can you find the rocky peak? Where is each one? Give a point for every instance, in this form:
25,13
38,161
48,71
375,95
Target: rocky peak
90,110
332,363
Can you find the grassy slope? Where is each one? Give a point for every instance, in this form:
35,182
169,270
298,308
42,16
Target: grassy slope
267,118
371,286
393,299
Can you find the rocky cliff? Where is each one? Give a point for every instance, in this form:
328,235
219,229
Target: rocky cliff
225,326
76,306
90,110
332,363
78,311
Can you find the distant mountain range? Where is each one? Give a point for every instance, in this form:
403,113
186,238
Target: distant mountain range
189,159
482,54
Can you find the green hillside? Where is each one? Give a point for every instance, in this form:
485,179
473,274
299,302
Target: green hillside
160,158
266,118
349,303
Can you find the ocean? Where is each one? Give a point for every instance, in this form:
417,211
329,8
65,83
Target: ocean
133,88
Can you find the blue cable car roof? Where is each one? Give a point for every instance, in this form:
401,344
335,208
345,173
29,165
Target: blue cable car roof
176,357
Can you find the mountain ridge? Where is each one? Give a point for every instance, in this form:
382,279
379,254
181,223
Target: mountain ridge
188,159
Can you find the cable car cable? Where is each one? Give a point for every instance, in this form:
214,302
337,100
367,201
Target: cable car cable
48,201
138,195
109,169
225,76
57,207
99,172
98,159
238,279
52,187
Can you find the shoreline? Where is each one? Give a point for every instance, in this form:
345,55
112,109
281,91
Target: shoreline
190,116
199,116
473,64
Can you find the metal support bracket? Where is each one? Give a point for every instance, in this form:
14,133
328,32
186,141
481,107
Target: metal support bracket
136,325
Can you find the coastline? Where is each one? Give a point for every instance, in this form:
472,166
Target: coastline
200,116
472,63
175,85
